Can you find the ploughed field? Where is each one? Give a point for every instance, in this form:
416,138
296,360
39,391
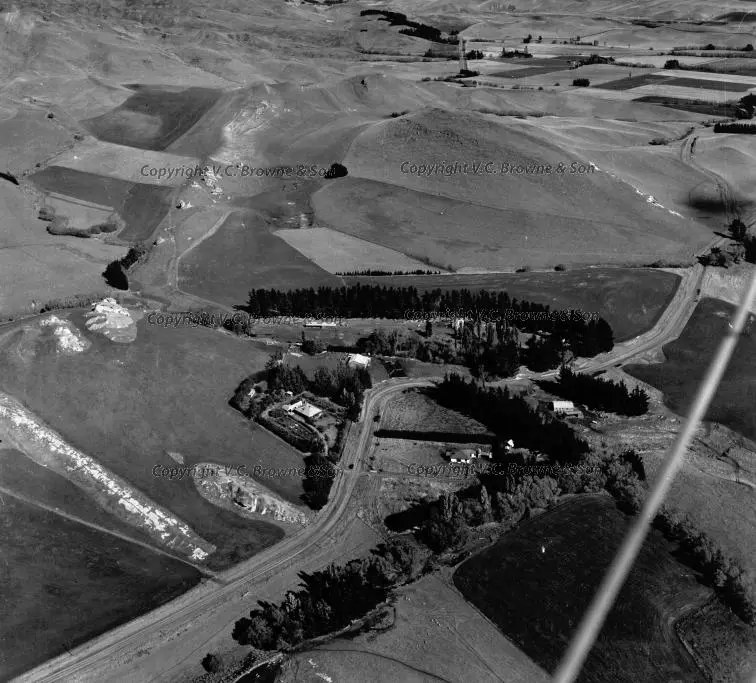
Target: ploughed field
62,582
536,583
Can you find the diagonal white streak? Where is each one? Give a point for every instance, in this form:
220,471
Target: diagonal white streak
589,628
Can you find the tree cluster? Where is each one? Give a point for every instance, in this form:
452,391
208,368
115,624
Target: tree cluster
509,499
581,82
704,554
742,128
329,600
601,394
474,54
312,346
414,28
510,417
318,479
556,333
115,271
514,54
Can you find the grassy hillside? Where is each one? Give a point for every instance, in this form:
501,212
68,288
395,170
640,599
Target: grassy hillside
128,404
492,219
537,582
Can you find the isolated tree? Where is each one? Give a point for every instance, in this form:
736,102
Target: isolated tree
211,663
428,328
336,170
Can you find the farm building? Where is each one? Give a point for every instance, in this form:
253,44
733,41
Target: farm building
562,408
467,455
303,408
358,360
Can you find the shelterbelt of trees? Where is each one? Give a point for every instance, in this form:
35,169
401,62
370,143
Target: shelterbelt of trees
487,343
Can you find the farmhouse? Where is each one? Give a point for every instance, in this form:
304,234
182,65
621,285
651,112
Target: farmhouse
358,360
303,408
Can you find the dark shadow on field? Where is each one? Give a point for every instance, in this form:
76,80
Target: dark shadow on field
154,117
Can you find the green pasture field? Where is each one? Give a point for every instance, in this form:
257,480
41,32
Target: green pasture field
537,581
687,359
127,405
630,299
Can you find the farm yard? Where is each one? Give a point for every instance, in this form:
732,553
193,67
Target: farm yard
109,579
536,583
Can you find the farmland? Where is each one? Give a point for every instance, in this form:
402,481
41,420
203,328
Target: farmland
243,254
168,391
435,635
415,410
153,117
681,372
629,299
336,252
537,581
141,206
491,221
52,563
710,84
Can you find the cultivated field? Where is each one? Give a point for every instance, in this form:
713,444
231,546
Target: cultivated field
537,581
128,404
52,563
435,635
243,255
336,252
121,162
